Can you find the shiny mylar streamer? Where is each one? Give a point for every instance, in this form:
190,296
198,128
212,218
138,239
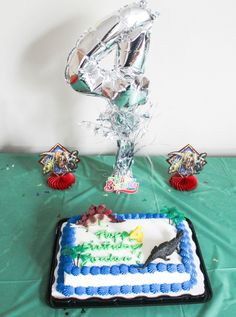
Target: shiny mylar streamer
125,87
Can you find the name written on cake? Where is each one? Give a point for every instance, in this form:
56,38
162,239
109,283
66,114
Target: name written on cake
87,252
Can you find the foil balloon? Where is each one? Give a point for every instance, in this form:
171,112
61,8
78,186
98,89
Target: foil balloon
125,87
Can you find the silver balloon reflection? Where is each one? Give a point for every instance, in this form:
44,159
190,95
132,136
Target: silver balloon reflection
127,31
124,86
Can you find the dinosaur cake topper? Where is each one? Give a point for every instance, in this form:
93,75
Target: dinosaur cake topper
184,164
60,163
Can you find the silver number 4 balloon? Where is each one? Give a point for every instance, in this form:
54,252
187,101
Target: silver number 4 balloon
124,86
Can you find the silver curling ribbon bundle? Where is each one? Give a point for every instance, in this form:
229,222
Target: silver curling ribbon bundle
125,87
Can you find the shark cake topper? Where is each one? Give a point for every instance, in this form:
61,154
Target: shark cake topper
165,249
60,163
184,164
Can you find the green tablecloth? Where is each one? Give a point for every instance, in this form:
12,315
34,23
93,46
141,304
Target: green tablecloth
30,210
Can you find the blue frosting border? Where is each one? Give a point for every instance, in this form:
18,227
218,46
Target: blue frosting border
66,265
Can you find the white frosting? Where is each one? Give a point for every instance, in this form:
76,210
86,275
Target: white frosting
155,232
125,279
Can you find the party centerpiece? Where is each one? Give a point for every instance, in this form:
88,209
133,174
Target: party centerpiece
183,165
60,163
124,87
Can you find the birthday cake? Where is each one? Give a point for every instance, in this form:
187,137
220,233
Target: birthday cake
102,255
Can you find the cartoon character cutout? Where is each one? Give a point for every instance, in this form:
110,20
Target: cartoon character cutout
59,160
186,161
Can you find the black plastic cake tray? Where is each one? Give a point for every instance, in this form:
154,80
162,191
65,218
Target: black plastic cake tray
120,301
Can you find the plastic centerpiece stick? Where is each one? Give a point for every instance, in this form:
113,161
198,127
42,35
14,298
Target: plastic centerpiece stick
124,86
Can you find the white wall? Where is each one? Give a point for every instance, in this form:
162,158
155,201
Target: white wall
191,65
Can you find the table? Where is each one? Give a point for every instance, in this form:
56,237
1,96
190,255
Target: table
29,211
